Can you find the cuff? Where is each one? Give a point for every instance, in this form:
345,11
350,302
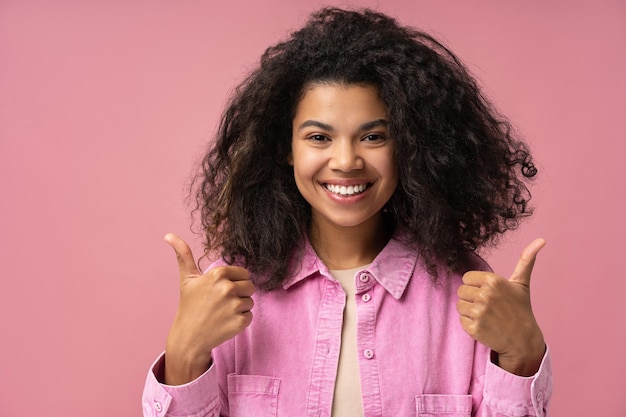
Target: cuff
195,397
515,395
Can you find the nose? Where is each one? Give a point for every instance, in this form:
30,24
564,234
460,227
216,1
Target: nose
345,156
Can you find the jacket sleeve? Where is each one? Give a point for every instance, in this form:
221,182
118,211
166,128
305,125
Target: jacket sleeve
198,398
508,395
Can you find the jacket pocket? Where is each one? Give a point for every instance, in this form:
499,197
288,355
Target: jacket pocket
435,405
252,395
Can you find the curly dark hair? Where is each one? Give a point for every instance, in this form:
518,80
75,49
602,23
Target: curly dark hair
462,172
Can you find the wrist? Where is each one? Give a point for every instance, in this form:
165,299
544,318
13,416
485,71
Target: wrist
524,363
183,364
182,369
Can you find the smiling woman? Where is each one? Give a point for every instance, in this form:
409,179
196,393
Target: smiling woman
344,167
105,105
354,173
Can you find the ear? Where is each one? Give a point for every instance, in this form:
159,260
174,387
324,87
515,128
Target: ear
290,159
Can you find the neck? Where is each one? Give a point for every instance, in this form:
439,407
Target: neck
348,247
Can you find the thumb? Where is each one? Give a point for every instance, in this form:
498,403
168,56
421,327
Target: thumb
186,264
524,266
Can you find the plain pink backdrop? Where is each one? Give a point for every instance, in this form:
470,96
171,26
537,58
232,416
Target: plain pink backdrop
105,105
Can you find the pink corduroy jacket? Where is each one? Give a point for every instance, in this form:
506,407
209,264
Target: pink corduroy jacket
415,359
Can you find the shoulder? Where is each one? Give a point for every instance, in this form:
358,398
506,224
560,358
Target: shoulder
475,262
403,245
214,264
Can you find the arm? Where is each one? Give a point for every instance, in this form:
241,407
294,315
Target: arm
497,312
214,307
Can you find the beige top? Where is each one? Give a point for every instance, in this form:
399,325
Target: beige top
347,398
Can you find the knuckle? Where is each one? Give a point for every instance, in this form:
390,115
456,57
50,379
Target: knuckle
470,328
477,310
237,304
467,277
488,280
460,291
483,296
248,318
183,252
223,288
243,320
497,283
250,287
491,286
218,273
245,273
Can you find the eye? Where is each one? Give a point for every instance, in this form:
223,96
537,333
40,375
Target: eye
374,137
318,138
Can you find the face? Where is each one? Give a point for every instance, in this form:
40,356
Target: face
343,155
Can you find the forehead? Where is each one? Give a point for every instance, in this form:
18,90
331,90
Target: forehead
340,103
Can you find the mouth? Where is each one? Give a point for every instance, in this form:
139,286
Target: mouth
347,190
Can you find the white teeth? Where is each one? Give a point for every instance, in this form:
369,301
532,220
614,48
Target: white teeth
343,190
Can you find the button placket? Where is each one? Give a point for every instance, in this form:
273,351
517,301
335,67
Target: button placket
367,289
326,344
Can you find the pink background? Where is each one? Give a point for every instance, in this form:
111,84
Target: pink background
105,105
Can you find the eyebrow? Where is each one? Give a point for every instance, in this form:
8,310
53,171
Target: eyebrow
326,126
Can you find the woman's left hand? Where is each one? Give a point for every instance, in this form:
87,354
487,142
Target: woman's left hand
497,312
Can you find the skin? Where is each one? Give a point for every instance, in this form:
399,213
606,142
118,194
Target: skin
340,136
213,307
496,311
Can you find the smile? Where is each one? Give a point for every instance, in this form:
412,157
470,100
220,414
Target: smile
346,190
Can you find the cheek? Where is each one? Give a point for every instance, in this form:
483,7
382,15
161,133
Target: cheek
396,173
305,164
389,170
304,182
388,167
301,171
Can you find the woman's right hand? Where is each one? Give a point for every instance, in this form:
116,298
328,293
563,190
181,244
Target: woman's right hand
214,307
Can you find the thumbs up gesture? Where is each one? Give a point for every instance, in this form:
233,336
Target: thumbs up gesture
214,307
497,312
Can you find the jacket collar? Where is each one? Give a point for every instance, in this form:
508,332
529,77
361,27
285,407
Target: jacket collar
392,268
